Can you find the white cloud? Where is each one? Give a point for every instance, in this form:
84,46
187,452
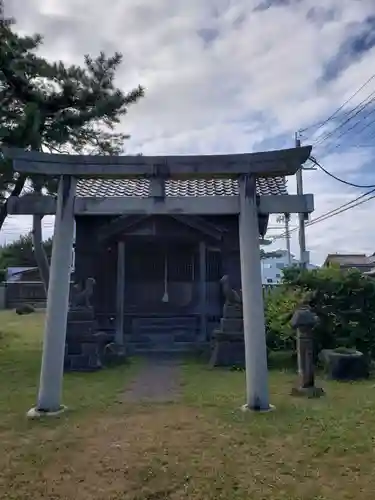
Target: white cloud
259,77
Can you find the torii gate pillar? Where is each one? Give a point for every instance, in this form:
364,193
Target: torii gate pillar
257,397
51,377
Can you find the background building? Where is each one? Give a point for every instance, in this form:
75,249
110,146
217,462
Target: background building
359,261
273,264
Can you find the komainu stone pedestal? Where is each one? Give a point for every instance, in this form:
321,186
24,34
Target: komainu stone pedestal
83,342
113,354
228,341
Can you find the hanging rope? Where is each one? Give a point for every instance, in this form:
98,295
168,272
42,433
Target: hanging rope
165,297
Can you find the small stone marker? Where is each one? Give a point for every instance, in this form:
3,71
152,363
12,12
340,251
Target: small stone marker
304,321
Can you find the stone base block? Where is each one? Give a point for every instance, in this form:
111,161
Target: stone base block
82,363
228,353
114,354
82,353
80,328
233,336
89,349
232,311
81,315
308,392
231,324
73,349
85,337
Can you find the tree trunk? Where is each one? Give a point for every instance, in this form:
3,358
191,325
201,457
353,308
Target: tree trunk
18,186
39,252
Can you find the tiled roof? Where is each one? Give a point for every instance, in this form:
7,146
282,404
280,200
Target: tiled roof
103,188
348,259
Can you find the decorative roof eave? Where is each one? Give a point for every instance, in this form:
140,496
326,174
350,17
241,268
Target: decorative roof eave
262,164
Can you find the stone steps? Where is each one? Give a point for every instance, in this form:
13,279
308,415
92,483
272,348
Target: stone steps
181,348
163,333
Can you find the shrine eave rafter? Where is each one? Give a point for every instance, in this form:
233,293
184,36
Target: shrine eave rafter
282,162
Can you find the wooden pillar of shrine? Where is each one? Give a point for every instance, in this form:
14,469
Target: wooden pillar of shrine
120,293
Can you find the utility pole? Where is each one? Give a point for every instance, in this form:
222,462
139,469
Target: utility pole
287,237
301,216
286,220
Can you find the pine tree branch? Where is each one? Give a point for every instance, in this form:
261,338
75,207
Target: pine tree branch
16,191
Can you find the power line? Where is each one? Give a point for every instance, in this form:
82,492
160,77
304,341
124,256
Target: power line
343,181
359,108
358,146
367,124
335,146
324,136
358,123
321,124
337,211
346,206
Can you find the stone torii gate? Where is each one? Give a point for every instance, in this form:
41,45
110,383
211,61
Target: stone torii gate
244,167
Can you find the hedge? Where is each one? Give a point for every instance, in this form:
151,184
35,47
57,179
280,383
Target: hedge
343,300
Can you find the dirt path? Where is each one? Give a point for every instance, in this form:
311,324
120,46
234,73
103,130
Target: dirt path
158,381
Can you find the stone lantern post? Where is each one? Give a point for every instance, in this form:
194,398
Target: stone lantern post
303,321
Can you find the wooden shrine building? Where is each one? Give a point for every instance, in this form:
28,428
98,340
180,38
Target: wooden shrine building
157,275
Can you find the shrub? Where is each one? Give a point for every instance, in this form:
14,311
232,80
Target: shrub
280,304
343,300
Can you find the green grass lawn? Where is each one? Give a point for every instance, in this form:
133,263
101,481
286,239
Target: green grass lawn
201,447
20,359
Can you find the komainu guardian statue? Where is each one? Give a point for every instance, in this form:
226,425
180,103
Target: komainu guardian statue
81,297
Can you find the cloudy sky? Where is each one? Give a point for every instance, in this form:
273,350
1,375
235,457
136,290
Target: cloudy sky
227,76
